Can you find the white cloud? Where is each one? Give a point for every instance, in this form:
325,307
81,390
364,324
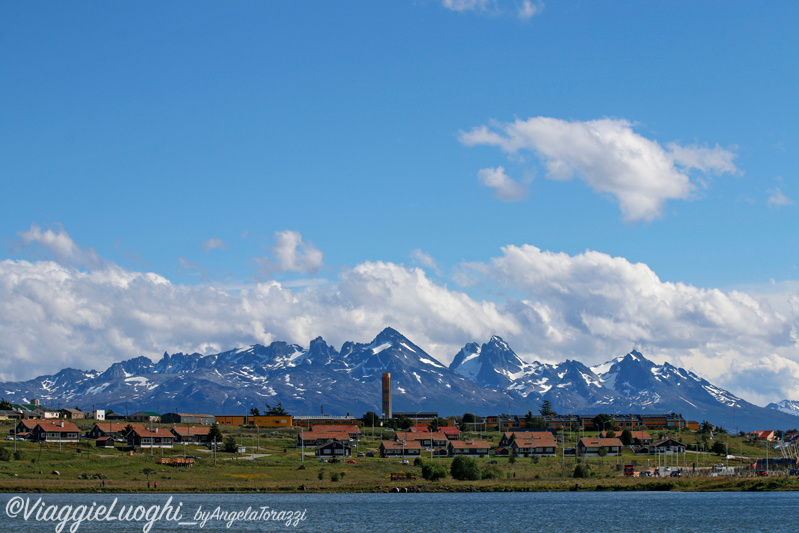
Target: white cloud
524,9
292,254
595,304
467,5
56,243
589,306
528,9
609,157
426,260
214,243
505,188
778,199
53,316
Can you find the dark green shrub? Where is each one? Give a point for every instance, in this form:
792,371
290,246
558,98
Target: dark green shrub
465,469
433,471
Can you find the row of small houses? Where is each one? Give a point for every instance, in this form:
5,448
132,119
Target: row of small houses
106,434
334,441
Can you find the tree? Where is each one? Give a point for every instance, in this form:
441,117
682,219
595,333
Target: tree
214,434
580,471
604,421
230,444
148,472
5,405
128,429
705,427
719,448
602,451
465,468
255,412
546,409
403,422
626,437
610,434
469,418
277,410
433,471
531,421
370,418
436,424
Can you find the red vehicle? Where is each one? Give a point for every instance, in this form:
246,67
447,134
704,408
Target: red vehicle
629,470
762,472
350,462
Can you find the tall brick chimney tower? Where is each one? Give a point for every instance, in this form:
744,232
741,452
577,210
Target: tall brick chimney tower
386,396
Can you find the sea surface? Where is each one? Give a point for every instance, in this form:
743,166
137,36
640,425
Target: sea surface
508,512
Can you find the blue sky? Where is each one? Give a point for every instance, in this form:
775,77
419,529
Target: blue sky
581,178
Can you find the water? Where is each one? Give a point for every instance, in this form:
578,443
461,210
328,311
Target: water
605,512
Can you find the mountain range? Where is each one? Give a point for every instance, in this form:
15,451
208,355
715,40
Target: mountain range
483,379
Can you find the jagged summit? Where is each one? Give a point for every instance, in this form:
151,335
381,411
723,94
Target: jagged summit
481,378
494,364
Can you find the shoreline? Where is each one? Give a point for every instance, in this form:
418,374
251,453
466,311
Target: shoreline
779,484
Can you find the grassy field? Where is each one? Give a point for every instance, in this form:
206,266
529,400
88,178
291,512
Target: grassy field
273,464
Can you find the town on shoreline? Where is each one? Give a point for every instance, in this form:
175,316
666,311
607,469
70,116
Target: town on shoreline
68,450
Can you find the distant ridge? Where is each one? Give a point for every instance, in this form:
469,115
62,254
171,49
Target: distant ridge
482,379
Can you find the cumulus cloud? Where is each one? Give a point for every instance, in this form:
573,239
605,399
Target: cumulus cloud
505,188
610,157
214,243
292,254
54,316
589,306
778,199
595,304
57,244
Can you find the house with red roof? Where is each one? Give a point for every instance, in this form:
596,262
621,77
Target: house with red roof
192,434
145,438
55,431
591,446
400,448
472,448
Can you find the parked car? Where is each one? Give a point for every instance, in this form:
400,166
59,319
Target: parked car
361,454
762,473
405,462
350,462
793,472
370,454
676,473
645,473
9,438
492,462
